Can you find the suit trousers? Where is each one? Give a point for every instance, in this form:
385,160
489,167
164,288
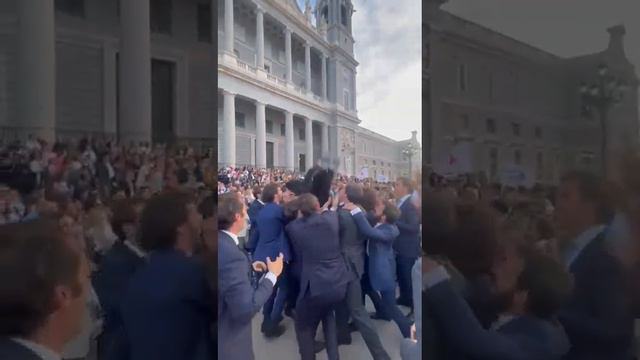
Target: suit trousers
352,305
404,264
272,310
309,312
392,310
368,290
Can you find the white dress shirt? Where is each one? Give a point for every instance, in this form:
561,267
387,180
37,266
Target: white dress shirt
41,351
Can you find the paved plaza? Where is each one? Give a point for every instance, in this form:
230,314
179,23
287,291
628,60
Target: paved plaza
286,347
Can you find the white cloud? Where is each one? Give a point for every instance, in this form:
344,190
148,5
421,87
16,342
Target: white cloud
389,48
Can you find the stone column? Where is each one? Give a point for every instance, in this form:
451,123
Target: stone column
229,127
325,140
37,67
260,37
307,66
288,131
135,71
261,136
324,76
309,142
228,25
287,50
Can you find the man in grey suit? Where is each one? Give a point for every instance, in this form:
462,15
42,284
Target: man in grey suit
353,246
238,301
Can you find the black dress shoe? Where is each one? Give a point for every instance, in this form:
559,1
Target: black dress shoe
352,327
318,346
274,332
376,316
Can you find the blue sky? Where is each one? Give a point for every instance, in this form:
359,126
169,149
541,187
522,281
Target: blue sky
388,46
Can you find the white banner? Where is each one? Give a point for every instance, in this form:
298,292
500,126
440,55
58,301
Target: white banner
457,161
364,172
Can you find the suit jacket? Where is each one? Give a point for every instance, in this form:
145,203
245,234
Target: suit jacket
352,243
598,318
12,350
523,338
110,281
238,301
316,239
167,309
253,212
408,243
270,234
382,262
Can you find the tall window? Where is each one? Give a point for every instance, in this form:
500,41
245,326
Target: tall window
343,15
491,86
516,129
491,125
204,22
283,130
160,16
347,102
539,165
240,123
493,163
517,157
462,77
269,126
71,7
465,121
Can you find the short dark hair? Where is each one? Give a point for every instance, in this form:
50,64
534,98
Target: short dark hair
591,188
547,283
391,213
161,218
257,190
207,207
369,199
228,207
269,193
34,259
307,204
354,193
406,182
123,212
297,187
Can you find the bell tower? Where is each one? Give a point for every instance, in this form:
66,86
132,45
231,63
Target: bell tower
335,16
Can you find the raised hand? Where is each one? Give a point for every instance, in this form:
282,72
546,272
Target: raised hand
276,266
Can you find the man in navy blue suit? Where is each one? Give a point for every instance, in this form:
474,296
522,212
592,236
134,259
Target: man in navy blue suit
527,330
116,268
271,240
254,211
597,318
238,300
407,245
167,307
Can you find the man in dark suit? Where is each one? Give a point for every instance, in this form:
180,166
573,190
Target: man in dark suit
171,279
526,331
324,274
271,241
407,245
44,286
254,211
598,317
238,301
353,245
116,268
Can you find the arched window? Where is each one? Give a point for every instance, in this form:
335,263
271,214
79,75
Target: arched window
325,13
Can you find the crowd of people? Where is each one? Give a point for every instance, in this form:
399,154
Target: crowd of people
107,251
131,251
317,245
548,273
